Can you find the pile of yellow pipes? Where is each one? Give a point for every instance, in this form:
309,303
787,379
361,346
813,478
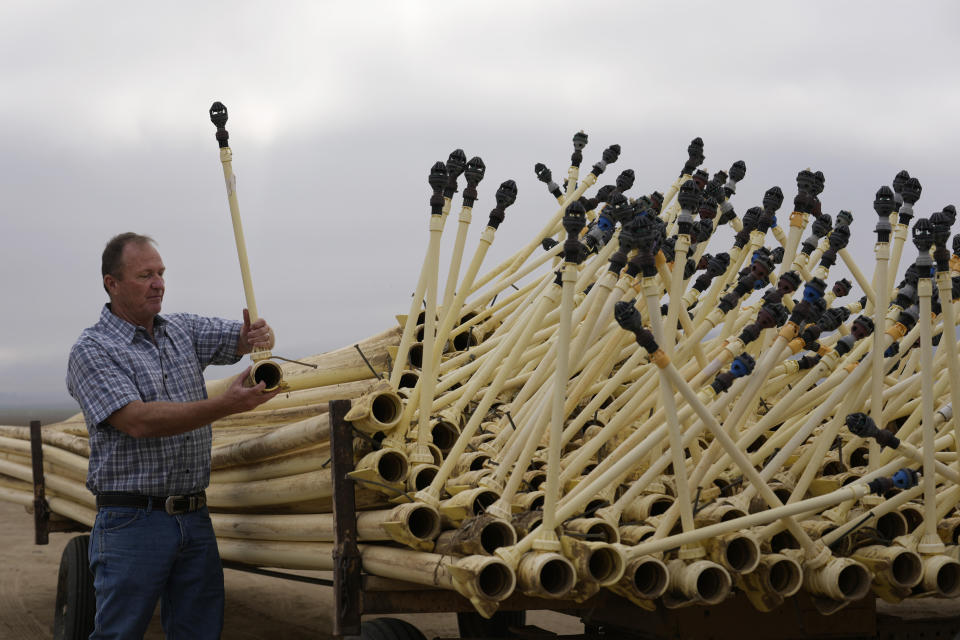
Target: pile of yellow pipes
616,407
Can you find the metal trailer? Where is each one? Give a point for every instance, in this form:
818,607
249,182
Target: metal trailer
356,594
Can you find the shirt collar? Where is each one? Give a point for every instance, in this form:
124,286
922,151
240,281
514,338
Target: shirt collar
120,328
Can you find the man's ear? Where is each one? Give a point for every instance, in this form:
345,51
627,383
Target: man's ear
109,283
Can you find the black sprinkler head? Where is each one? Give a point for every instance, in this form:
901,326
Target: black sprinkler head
911,191
611,153
218,116
806,181
840,237
844,217
883,203
789,282
688,196
862,327
751,218
821,226
951,212
438,176
579,140
625,180
923,235
738,170
772,199
842,287
819,181
474,171
544,174
899,180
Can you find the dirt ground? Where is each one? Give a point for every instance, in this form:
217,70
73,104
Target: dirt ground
257,607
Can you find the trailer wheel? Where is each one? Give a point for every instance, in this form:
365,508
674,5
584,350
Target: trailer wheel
472,625
389,629
76,602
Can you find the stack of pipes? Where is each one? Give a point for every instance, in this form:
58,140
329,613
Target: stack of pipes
615,407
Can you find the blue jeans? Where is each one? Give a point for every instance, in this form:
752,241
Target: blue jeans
139,556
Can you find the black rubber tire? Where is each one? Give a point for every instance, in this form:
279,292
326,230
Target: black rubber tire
76,602
389,629
472,625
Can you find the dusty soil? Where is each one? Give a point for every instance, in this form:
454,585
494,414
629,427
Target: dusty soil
257,607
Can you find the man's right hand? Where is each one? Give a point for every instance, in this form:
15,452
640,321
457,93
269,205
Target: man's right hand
239,397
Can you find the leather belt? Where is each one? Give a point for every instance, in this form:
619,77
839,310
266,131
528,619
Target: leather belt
171,504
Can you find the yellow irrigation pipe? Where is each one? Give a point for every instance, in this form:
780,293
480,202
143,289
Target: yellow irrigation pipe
263,370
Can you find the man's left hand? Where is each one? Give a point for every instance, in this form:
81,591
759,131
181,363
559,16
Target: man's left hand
256,335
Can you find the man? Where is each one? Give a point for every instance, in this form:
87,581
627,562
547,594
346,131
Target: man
138,377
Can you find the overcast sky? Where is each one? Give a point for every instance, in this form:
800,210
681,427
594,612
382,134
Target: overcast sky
338,110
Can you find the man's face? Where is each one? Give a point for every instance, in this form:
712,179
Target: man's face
136,296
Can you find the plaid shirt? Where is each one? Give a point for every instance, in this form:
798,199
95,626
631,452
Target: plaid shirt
114,363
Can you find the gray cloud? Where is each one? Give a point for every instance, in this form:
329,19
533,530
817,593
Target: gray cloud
338,111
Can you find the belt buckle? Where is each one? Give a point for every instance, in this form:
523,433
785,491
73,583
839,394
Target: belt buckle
169,507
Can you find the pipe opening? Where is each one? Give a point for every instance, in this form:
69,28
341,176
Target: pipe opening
423,476
419,333
650,579
913,515
594,505
785,577
907,569
731,514
742,554
267,372
892,525
850,477
423,522
660,506
408,380
415,355
948,580
859,456
444,435
536,480
482,500
783,540
603,531
463,341
478,461
603,564
832,468
497,534
783,495
713,584
386,409
537,503
556,576
853,581
496,581
392,466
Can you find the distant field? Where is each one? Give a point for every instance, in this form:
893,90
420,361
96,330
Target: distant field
46,415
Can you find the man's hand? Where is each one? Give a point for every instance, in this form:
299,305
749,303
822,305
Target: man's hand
243,398
257,335
153,419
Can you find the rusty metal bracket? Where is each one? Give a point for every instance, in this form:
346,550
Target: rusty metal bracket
346,557
41,510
